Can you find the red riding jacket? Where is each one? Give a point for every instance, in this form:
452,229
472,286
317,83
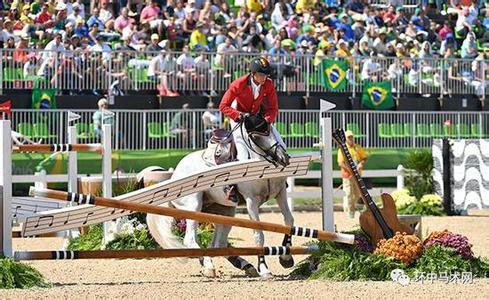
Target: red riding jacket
242,91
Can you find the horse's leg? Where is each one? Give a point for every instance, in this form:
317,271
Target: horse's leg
253,211
220,240
190,241
287,261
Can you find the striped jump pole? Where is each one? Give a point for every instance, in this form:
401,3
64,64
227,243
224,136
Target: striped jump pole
198,216
162,253
57,148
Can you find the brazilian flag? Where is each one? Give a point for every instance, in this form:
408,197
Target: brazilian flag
334,74
43,98
377,95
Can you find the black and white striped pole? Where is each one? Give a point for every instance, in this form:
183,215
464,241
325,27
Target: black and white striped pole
163,253
198,216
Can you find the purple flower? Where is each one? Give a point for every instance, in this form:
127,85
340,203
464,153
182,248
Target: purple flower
181,225
362,243
455,241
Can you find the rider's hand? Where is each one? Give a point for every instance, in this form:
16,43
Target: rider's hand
243,116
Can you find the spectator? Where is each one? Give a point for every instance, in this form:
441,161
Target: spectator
100,117
210,119
356,6
153,46
464,22
198,38
371,69
29,69
81,29
254,6
150,14
75,16
105,12
180,124
469,47
380,43
160,67
186,64
279,15
53,47
95,20
359,156
343,51
223,58
277,49
304,6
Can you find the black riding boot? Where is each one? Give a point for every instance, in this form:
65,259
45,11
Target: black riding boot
231,192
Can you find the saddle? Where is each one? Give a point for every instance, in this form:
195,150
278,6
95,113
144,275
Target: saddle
220,148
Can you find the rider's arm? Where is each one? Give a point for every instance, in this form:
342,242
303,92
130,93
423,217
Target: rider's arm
272,101
227,100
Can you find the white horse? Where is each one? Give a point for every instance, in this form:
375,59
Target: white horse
255,193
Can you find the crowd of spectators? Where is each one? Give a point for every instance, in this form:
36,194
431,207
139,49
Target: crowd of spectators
318,28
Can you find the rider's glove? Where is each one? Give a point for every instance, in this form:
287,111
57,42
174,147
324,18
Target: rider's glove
243,116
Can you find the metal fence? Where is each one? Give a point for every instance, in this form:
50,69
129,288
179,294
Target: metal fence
180,129
74,72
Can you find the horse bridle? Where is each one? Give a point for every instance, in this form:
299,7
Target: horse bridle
273,149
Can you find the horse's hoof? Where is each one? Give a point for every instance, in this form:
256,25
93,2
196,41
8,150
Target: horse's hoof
266,276
209,273
286,261
250,271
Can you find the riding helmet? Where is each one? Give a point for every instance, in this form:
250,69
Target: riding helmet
260,65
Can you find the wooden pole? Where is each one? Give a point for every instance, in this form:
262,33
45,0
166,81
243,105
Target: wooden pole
57,148
198,216
163,253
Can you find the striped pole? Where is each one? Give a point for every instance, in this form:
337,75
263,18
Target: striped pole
163,253
198,216
57,148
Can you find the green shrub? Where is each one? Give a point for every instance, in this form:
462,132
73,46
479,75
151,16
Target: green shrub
16,275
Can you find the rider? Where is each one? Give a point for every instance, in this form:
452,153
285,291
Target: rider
250,95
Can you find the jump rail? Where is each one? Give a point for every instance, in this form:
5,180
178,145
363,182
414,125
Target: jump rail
58,148
163,253
198,216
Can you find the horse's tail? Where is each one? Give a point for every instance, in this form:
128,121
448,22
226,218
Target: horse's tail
160,228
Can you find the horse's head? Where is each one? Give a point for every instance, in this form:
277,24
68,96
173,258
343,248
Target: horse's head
263,141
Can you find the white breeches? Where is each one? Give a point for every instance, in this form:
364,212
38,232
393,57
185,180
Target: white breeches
243,152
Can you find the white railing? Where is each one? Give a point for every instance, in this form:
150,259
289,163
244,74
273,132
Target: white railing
178,129
78,72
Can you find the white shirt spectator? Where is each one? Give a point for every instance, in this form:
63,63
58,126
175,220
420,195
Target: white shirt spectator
186,61
180,14
223,49
80,4
277,18
51,48
380,46
29,68
202,64
210,119
104,48
160,63
105,15
369,68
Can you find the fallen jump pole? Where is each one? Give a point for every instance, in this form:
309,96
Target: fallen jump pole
162,253
57,148
198,216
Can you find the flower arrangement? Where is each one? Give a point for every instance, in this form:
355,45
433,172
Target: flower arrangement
441,252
